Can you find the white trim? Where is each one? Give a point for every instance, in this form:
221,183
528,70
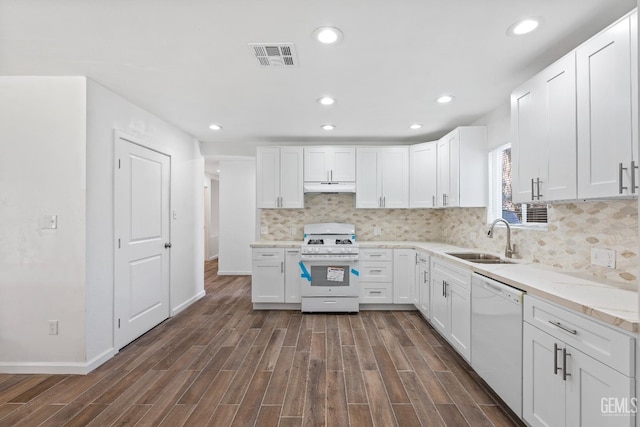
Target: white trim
234,273
276,306
57,368
187,303
211,258
387,307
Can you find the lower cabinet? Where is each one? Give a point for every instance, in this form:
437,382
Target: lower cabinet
376,276
292,278
404,275
267,275
422,289
451,304
564,383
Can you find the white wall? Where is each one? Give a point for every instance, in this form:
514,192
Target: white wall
213,211
498,124
108,111
42,172
57,159
237,215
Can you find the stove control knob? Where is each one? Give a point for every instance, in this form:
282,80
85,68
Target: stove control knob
329,249
344,250
317,249
349,250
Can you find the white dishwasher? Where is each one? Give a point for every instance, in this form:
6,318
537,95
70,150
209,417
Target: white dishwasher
496,338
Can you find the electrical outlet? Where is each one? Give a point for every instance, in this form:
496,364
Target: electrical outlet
292,231
377,231
49,222
603,257
53,327
264,229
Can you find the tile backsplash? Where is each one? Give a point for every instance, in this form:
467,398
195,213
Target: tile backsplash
574,228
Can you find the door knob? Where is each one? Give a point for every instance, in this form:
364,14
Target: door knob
167,245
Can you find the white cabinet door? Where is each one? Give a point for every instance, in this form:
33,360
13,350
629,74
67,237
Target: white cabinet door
291,179
443,181
425,289
330,164
527,134
368,183
316,164
439,303
453,197
267,275
268,177
395,176
558,171
605,121
423,175
543,389
292,279
343,164
404,275
459,318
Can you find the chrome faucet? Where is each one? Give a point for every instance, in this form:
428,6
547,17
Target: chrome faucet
509,250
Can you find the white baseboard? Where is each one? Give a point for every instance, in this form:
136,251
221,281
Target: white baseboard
187,303
53,368
234,273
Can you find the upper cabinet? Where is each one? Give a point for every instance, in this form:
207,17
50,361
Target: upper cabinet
329,164
607,112
462,168
574,125
543,123
279,177
382,177
423,175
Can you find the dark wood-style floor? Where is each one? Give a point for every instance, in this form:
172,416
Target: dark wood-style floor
220,363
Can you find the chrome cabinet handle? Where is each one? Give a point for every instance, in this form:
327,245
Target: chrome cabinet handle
555,359
375,255
444,289
621,168
538,196
433,201
533,194
384,202
565,374
633,176
564,328
267,255
167,245
425,277
331,174
375,271
281,267
416,258
380,201
375,292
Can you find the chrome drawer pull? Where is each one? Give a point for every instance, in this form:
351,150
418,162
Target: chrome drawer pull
564,328
564,364
634,187
555,359
375,292
620,176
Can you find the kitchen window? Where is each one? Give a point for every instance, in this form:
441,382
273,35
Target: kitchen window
522,215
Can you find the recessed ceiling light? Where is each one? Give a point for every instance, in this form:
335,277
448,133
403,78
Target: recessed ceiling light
415,126
327,35
444,99
215,127
326,100
218,170
523,27
328,127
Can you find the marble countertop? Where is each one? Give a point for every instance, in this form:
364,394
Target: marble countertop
608,302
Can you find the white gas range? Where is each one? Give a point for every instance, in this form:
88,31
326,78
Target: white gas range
329,268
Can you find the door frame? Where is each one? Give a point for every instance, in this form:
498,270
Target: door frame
124,136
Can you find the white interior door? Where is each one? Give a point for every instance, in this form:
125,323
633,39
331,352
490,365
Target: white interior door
141,203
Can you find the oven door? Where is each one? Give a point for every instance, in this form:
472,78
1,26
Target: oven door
326,278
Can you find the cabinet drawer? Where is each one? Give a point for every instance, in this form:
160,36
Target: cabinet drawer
376,293
376,254
371,271
611,347
451,273
274,254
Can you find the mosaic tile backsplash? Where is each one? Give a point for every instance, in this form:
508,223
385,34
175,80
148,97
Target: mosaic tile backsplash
574,228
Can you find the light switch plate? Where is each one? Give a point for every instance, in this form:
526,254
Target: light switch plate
292,231
603,257
377,231
49,222
264,229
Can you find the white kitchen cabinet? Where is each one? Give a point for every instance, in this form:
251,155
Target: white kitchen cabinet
543,123
376,276
462,168
607,128
267,275
382,177
404,275
451,304
292,279
423,286
279,177
423,175
330,164
570,364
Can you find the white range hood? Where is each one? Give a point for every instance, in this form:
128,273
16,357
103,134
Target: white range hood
329,187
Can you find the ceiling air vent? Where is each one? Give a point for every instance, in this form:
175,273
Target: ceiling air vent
275,54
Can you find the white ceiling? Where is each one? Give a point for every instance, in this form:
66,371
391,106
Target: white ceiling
188,61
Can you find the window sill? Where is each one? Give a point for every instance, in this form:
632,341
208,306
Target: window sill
532,227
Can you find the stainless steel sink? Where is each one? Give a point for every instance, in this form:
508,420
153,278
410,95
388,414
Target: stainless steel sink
479,257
